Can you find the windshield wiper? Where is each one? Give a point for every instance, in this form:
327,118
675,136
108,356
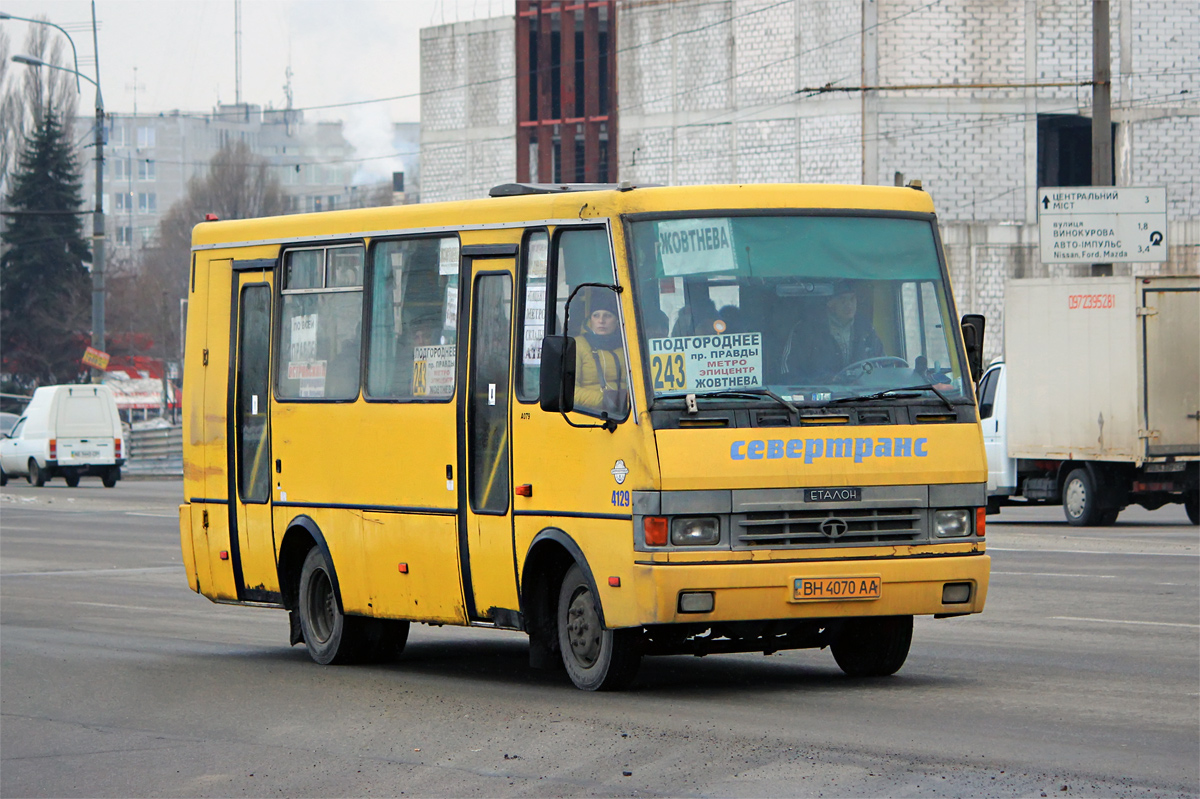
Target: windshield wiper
743,393
888,392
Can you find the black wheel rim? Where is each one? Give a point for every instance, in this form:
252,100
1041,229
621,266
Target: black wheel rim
583,628
321,607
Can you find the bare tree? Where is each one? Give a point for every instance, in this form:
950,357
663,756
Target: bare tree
144,304
27,93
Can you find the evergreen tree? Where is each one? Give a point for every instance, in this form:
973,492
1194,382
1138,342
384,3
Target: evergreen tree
45,289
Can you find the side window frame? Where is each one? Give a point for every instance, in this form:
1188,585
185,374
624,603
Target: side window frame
369,312
988,386
552,280
527,395
281,293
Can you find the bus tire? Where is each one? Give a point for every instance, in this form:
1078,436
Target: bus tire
876,646
597,659
1081,500
37,475
329,635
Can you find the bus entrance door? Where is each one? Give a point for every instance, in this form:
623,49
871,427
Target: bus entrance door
251,437
485,516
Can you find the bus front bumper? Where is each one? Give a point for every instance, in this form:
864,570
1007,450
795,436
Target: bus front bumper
751,591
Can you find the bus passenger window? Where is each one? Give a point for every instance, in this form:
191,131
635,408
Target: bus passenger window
411,349
535,258
320,337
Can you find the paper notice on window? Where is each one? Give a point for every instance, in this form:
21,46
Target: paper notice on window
451,312
433,370
535,324
700,363
448,257
539,252
531,348
310,375
696,246
304,338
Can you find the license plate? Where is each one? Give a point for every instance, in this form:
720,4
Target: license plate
86,453
817,589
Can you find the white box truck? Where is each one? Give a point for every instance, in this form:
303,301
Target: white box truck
68,430
1096,405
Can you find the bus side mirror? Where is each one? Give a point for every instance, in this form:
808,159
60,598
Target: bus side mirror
557,382
972,332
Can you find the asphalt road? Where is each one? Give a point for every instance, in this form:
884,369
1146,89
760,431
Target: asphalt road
1082,678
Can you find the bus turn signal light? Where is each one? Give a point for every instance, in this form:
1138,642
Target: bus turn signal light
403,567
615,582
980,521
655,528
525,490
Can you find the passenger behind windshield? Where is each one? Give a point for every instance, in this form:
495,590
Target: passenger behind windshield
819,348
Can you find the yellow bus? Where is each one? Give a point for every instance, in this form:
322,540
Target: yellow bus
628,421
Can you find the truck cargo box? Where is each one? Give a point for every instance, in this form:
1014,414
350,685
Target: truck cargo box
1103,369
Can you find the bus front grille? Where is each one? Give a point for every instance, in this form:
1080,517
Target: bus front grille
833,527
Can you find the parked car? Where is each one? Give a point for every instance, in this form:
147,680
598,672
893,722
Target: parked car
68,431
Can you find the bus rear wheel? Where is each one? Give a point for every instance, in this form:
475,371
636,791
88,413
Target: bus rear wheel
332,637
874,646
597,659
327,636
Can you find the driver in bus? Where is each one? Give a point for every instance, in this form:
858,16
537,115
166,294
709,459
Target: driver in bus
817,349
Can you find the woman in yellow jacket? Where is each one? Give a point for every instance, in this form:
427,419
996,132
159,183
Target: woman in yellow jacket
600,377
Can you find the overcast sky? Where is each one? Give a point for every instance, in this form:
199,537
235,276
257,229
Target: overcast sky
183,51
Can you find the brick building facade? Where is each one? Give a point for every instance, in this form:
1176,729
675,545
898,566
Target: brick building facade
768,91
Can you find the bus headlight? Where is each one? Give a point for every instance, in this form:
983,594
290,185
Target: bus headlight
696,531
952,523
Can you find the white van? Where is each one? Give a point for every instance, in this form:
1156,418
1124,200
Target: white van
71,430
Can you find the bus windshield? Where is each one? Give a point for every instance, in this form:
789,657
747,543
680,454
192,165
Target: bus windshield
813,309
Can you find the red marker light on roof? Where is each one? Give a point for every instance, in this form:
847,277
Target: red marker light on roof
211,218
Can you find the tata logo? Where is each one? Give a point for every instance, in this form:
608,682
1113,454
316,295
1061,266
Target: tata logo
834,528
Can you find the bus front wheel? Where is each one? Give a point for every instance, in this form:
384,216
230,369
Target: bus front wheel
875,646
597,659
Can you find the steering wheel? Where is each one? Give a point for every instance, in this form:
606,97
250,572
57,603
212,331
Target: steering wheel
859,369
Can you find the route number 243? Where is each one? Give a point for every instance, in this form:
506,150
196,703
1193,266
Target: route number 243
669,371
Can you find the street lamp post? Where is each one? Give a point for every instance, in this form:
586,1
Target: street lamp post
98,287
74,55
